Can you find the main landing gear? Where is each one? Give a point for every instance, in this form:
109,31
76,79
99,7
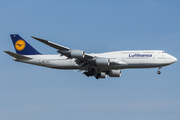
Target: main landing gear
90,72
159,72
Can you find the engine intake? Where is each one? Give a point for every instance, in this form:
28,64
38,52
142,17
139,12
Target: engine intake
102,62
114,73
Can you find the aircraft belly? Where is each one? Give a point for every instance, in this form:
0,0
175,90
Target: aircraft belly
61,64
146,65
111,67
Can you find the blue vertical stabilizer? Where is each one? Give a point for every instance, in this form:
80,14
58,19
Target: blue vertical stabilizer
22,47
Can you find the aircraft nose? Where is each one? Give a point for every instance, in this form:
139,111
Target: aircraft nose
175,59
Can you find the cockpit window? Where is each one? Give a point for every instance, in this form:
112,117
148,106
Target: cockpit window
163,52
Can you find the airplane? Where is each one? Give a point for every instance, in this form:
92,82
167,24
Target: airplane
98,65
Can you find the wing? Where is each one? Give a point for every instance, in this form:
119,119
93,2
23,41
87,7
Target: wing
54,45
82,59
70,53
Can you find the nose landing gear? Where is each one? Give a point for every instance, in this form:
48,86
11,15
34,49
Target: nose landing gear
159,72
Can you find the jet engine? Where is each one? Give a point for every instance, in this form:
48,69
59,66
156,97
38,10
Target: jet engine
101,75
102,62
114,73
76,54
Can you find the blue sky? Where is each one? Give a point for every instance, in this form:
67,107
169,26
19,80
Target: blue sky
36,93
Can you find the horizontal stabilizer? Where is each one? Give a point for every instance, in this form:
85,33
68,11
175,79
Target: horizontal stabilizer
17,56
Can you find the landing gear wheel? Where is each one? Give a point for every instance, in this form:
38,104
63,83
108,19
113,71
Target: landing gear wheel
159,72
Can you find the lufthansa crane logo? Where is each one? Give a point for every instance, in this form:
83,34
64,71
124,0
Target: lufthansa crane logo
20,45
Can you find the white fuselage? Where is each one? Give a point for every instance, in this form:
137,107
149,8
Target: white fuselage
127,59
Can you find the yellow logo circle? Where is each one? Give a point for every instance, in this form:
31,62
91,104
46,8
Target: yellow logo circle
20,45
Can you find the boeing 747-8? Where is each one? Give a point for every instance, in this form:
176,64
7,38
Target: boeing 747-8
97,65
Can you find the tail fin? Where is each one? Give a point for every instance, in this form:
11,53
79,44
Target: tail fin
22,47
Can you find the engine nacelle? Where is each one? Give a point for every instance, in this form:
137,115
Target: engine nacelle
76,54
102,62
102,75
114,73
